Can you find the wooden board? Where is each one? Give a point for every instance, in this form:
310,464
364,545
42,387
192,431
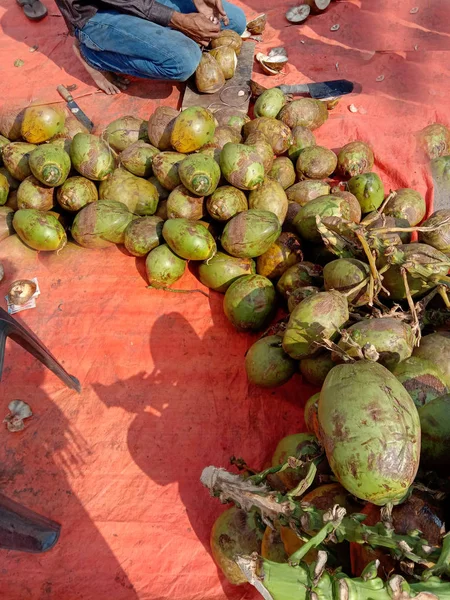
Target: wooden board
223,98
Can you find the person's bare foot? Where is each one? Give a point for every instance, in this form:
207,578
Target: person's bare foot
107,82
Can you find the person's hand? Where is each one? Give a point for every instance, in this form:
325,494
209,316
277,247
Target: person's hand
213,9
196,26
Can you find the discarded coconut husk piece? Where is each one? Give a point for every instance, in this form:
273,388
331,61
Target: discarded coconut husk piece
257,25
21,291
274,62
19,410
298,14
317,6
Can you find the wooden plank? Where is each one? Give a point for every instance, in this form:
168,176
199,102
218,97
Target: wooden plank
229,94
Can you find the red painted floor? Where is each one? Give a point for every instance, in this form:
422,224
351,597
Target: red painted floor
164,388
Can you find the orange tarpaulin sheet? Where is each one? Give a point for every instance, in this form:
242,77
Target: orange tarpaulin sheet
164,386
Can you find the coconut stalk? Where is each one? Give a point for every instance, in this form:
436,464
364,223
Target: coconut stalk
330,525
286,581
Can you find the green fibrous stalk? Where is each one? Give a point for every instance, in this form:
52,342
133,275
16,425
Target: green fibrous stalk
330,526
287,581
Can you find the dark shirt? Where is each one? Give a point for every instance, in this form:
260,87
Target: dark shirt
77,13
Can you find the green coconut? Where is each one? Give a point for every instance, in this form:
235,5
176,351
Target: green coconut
39,230
226,59
222,136
72,126
311,413
33,194
139,195
101,224
226,202
315,368
435,140
231,116
165,167
50,164
283,172
76,192
269,103
160,125
3,142
368,189
435,347
250,302
209,77
346,274
138,158
292,212
439,238
15,158
354,159
435,434
6,222
4,189
430,261
361,407
317,318
91,157
300,294
324,207
301,274
306,112
266,363
277,133
143,234
302,138
11,122
250,233
282,254
352,201
220,271
315,162
41,123
189,239
376,222
124,132
182,203
241,166
235,532
270,196
228,37
259,141
200,174
423,380
164,267
304,191
297,445
407,204
193,128
392,339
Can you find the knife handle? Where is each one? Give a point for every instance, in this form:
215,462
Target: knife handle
64,93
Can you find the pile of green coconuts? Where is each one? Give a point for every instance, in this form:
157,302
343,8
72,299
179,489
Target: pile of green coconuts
343,281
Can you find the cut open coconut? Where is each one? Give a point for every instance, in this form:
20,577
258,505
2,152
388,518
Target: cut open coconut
274,62
318,6
298,14
21,291
257,25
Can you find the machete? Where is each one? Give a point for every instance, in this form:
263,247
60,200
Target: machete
74,108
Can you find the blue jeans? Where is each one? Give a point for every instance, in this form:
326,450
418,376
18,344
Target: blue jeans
120,43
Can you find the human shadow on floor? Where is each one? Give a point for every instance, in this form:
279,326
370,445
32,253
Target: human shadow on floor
35,467
195,408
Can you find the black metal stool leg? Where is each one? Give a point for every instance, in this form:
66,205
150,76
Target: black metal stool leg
23,336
